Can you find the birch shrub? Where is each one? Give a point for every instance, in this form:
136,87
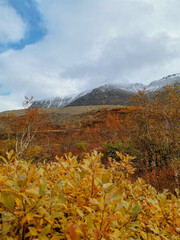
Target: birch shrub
67,199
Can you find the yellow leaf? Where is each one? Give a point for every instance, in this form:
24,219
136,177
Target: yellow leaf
18,202
56,238
33,231
43,186
41,222
8,200
43,238
89,209
5,228
89,222
80,212
29,217
46,230
106,177
117,194
4,159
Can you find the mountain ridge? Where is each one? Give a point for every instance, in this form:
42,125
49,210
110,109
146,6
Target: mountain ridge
108,94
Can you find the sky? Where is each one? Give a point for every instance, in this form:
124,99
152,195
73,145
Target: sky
51,48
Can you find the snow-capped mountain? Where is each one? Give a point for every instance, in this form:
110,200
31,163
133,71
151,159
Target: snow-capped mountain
154,86
131,87
104,95
159,84
57,102
107,94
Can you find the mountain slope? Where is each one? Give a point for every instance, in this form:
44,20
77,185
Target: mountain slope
52,103
104,95
158,85
108,94
56,102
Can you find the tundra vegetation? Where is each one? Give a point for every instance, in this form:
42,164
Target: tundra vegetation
126,187
71,199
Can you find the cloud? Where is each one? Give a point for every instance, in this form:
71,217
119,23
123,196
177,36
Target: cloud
9,103
12,27
125,55
86,44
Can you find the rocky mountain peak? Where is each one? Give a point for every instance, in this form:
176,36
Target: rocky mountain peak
108,94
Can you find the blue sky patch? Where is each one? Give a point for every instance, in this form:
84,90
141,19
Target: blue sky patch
28,11
4,92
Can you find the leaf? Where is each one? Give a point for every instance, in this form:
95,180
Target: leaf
136,210
89,222
29,217
33,191
106,178
89,209
56,238
4,159
24,164
82,174
33,231
26,198
62,197
9,154
5,228
43,186
18,202
120,205
34,183
43,238
133,226
56,215
45,230
80,212
13,185
117,194
72,231
60,183
41,171
22,176
8,200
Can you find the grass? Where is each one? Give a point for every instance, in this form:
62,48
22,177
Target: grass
66,114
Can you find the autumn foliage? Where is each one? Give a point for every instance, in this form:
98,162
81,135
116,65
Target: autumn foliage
24,131
149,130
68,199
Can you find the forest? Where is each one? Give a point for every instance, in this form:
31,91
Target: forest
109,173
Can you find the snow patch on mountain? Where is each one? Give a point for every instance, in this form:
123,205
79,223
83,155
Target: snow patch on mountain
159,84
57,102
154,86
134,87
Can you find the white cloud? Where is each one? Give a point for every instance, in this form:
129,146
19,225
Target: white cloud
89,43
12,27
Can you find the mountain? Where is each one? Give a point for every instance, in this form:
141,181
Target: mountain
108,94
56,102
104,95
159,84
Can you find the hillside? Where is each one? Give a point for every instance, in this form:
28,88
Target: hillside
105,95
108,94
67,114
140,131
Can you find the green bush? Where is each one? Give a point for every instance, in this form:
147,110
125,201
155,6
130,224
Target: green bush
110,149
82,146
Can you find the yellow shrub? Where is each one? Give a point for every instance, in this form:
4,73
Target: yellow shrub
68,199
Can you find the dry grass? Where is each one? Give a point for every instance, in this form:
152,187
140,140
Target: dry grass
66,114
